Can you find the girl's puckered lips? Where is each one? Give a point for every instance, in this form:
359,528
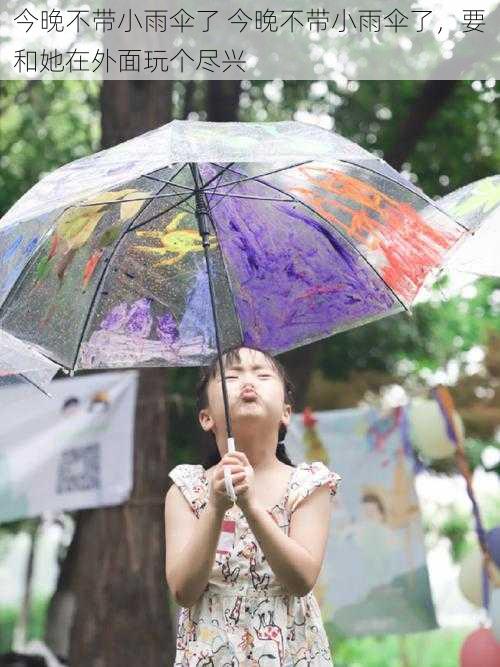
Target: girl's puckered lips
248,394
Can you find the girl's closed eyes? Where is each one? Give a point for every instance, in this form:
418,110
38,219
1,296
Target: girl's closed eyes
235,377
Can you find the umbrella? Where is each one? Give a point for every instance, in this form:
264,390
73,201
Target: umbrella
22,363
477,206
192,238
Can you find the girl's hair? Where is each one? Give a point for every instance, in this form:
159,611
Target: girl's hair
230,357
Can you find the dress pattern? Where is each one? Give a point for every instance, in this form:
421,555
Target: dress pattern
245,617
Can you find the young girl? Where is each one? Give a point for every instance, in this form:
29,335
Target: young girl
243,573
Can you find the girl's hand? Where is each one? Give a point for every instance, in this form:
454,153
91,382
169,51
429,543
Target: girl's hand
244,486
218,496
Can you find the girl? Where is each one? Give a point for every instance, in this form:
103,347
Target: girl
243,573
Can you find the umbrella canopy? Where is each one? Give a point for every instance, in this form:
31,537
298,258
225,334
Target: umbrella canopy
21,363
477,206
106,261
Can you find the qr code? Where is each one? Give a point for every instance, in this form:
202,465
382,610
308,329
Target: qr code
79,469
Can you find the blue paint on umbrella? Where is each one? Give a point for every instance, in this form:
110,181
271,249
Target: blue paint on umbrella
198,319
11,250
31,246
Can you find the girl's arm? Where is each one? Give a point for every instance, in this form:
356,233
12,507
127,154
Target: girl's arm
295,559
190,546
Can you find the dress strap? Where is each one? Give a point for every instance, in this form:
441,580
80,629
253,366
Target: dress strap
192,482
309,476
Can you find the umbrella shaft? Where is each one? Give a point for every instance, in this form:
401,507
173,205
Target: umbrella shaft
202,213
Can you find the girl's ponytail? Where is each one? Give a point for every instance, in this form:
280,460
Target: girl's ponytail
282,454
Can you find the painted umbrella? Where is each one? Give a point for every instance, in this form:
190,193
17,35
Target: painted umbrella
477,206
185,241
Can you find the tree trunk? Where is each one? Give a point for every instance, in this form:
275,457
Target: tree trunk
436,91
189,92
130,108
432,98
112,592
222,100
122,602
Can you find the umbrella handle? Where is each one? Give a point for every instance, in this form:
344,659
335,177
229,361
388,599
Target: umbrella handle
227,474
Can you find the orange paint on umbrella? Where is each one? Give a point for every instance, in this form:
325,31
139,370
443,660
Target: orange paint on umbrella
90,266
410,247
54,242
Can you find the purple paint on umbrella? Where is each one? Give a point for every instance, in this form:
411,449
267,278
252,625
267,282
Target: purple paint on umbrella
322,229
166,329
116,319
294,277
140,320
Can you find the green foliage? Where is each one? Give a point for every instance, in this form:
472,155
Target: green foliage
460,143
490,512
436,332
14,527
44,125
439,648
455,528
36,625
474,449
183,418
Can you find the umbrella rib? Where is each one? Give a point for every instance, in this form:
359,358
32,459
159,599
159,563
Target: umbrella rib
145,222
233,184
175,185
126,231
224,194
34,384
228,167
338,231
104,274
219,178
186,187
266,173
422,196
122,201
157,215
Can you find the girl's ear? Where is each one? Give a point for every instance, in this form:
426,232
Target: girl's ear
287,414
206,420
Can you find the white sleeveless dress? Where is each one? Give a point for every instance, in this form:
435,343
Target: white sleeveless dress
245,617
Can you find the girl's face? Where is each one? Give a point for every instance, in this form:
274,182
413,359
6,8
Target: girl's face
255,396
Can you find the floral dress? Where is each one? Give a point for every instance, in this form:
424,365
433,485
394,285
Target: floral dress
245,617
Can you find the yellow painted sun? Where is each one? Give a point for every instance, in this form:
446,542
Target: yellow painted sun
174,243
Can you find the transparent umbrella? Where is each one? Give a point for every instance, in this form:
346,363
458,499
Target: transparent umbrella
195,237
477,206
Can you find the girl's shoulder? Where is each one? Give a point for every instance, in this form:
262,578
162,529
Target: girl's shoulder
192,482
186,471
308,476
